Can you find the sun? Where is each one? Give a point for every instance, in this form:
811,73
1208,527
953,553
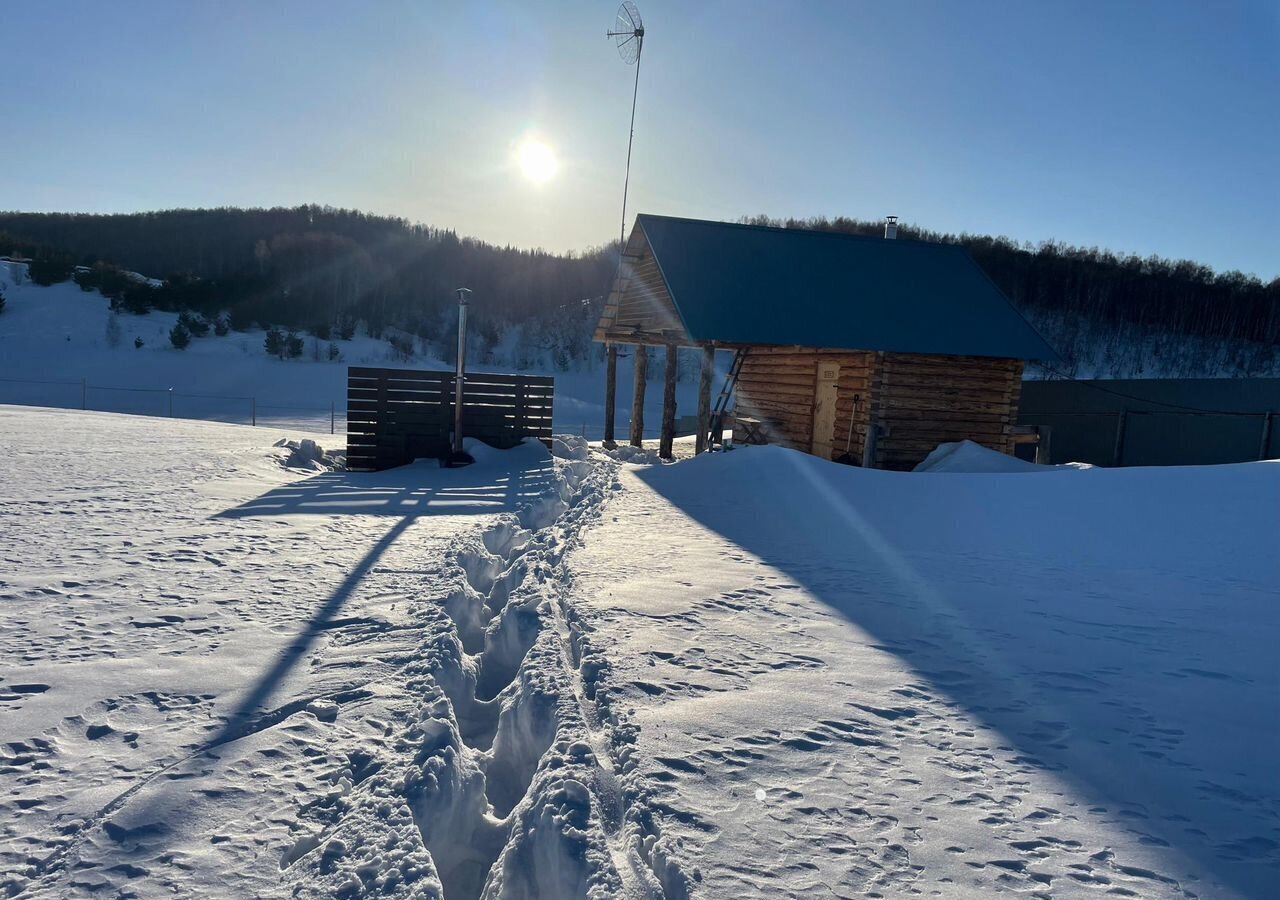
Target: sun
537,161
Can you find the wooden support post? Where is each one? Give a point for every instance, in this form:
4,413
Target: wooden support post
1122,419
637,399
705,439
1265,444
1044,448
610,393
869,446
667,439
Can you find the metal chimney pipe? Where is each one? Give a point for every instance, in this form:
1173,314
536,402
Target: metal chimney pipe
890,228
461,375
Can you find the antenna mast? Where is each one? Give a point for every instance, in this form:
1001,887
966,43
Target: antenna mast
628,34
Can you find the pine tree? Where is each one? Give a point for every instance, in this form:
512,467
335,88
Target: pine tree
275,342
179,336
137,299
197,325
50,267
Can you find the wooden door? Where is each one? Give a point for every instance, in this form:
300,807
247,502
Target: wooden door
824,408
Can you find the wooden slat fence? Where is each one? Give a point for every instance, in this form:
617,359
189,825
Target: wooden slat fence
395,416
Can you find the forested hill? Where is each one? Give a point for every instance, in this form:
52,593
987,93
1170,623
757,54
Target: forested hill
312,267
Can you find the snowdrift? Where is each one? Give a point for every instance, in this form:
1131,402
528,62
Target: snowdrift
966,456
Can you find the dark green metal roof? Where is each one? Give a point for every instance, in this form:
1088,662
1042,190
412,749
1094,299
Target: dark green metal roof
749,284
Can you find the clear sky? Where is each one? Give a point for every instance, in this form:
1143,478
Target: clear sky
1151,127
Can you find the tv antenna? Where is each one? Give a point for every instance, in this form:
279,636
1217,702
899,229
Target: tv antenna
628,34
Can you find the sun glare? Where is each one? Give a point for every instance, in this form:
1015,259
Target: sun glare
537,161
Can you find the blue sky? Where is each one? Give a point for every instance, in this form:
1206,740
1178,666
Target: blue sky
1151,127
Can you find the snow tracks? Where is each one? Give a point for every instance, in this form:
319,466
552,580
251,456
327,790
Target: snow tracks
508,779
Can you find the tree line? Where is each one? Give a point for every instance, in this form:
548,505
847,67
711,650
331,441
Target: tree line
323,270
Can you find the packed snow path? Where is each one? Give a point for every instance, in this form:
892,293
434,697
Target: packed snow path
849,683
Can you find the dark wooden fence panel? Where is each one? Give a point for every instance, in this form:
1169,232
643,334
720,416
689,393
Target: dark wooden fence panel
395,416
1155,422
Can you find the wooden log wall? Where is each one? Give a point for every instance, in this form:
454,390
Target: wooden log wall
854,404
778,384
916,401
644,306
639,308
922,401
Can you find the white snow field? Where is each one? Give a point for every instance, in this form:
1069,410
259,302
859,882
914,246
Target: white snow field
846,683
219,677
59,334
751,674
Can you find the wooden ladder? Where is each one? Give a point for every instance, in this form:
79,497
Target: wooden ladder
722,402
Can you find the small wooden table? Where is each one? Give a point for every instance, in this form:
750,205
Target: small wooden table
756,430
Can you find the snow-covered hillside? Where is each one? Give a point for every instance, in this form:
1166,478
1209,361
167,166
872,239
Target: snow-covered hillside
752,674
59,334
1093,348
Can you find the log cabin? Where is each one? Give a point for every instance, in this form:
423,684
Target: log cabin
849,347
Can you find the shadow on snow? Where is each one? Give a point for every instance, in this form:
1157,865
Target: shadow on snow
421,489
1058,609
500,481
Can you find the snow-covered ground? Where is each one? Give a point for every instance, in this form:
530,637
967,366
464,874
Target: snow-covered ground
59,334
204,652
848,683
752,674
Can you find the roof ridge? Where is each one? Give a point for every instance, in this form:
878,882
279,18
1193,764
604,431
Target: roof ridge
782,229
